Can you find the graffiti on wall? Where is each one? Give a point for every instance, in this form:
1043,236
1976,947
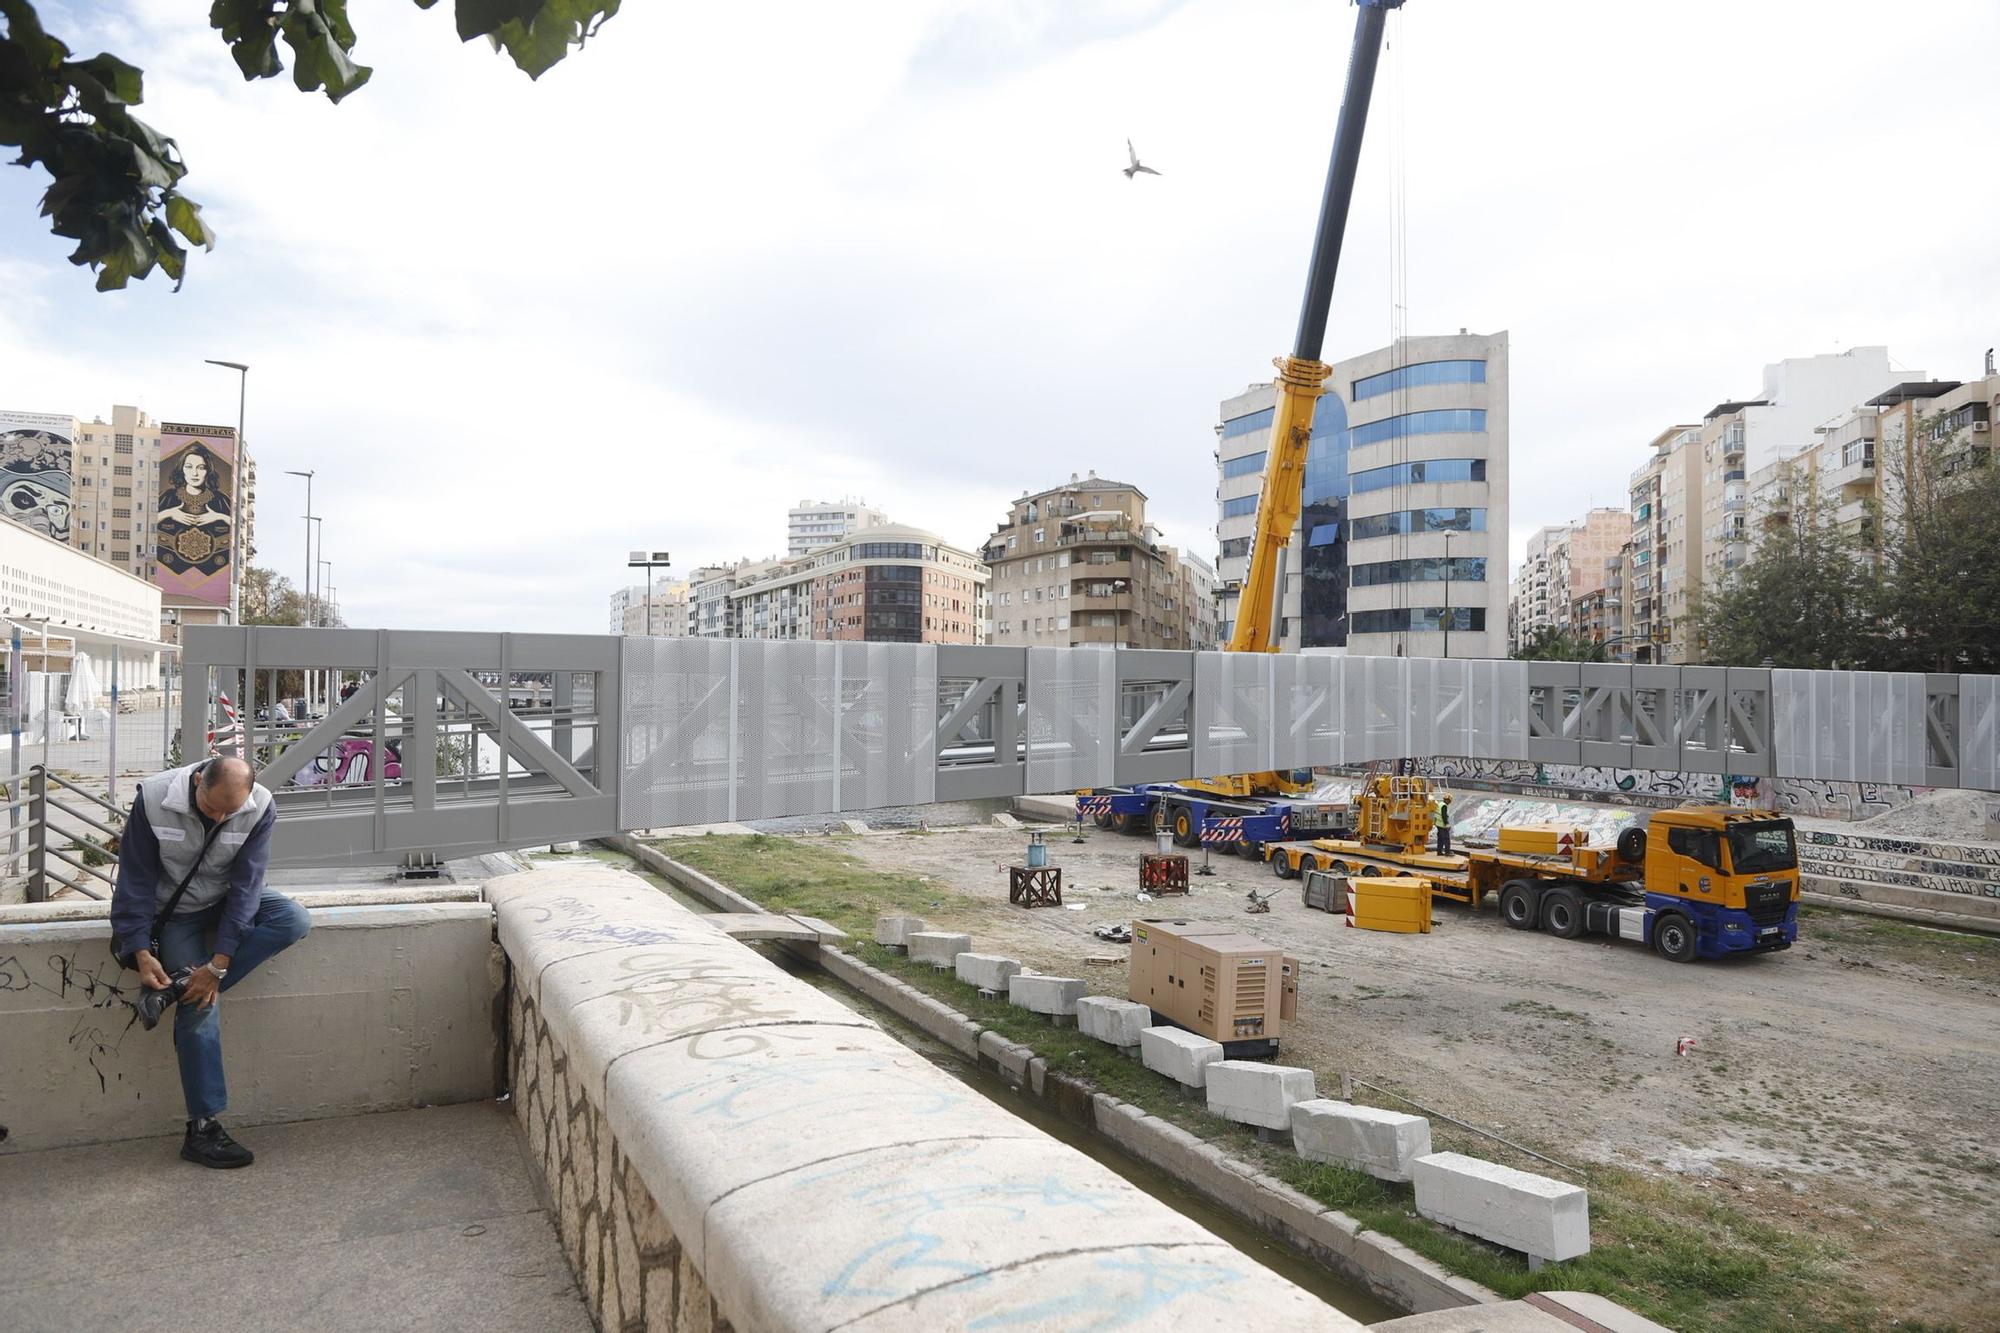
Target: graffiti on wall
1825,799
35,470
349,763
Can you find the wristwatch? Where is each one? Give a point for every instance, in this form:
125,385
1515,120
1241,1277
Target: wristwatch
217,972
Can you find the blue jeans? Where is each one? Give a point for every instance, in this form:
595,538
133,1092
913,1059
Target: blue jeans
184,941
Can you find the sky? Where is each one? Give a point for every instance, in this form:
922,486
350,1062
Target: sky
729,257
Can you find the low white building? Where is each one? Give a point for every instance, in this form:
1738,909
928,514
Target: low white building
60,601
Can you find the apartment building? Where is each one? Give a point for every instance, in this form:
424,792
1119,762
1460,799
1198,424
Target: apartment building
116,472
1666,551
811,524
885,583
661,613
1400,547
1079,563
1566,564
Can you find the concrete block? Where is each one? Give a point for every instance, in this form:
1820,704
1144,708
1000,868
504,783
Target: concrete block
1114,1022
1001,819
988,971
1252,1093
891,930
939,948
1542,1218
1054,996
1382,1143
1179,1054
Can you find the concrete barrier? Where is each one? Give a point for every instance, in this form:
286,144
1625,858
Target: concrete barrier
892,931
1113,1022
380,1007
1382,1143
939,948
1179,1054
1054,996
1252,1093
987,971
1544,1219
728,1145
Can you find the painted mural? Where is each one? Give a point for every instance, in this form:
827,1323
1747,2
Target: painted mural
195,512
35,457
349,763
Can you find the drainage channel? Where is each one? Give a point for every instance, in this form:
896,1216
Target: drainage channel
1349,1298
1342,1295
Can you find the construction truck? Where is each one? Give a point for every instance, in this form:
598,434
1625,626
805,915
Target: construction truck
1196,815
1254,810
1700,882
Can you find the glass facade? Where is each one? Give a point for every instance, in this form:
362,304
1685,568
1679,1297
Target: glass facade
1419,520
1448,421
1249,425
1423,569
1241,505
1420,374
1244,466
1323,565
894,551
1411,474
1399,620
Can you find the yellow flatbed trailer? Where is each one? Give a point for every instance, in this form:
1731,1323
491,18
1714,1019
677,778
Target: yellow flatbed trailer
1465,877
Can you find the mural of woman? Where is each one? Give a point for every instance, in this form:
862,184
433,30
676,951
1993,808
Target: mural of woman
194,515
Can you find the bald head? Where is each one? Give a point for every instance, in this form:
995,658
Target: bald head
224,785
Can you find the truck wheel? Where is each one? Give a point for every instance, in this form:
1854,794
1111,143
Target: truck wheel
1562,913
1185,834
1102,820
1128,823
1308,864
1632,844
1674,938
1519,904
1280,866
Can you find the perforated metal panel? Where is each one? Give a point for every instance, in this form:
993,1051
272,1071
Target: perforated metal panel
1861,726
1072,733
1979,731
1233,717
679,733
888,724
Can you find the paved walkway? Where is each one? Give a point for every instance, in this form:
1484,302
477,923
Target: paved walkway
407,1220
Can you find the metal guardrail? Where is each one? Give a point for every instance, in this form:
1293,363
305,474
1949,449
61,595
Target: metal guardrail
43,810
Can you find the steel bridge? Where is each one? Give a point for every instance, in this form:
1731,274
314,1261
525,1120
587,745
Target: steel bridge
439,749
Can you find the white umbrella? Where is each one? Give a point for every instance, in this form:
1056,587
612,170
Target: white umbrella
81,694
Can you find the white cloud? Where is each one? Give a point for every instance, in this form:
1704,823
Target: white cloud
731,256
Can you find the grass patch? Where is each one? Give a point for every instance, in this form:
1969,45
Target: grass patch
1670,1251
814,878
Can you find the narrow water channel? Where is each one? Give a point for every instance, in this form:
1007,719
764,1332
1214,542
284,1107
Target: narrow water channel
1348,1297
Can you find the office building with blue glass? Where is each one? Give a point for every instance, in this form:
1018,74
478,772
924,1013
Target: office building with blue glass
1402,545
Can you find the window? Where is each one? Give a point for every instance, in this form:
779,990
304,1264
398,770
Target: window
1401,619
121,492
1415,474
1012,541
122,470
1755,849
121,444
1419,375
1703,845
1240,506
1062,559
1471,569
1234,547
897,551
1418,520
1041,534
1062,622
1248,425
121,513
1445,422
1244,466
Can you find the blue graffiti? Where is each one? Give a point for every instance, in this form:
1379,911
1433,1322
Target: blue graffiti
1111,1295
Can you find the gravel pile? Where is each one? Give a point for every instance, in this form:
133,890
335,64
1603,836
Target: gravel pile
1945,813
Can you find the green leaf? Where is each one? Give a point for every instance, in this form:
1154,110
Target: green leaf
184,216
122,83
318,58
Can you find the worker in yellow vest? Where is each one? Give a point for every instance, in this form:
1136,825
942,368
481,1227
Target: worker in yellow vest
1441,821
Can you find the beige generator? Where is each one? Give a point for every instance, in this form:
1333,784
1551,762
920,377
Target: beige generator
1216,982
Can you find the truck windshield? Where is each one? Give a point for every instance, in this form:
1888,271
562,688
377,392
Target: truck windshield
1757,848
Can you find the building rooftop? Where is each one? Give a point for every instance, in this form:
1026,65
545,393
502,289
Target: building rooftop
1724,409
1912,389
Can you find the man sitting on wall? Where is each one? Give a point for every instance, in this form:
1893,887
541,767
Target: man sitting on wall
191,913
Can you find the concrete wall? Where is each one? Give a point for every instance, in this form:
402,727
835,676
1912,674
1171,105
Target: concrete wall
691,1105
379,1007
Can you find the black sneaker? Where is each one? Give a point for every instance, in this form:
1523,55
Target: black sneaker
153,1003
209,1144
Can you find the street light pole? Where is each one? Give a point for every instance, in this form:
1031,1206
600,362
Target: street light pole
649,561
236,491
306,608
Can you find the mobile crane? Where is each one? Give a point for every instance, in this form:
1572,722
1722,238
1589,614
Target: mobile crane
1247,811
1700,882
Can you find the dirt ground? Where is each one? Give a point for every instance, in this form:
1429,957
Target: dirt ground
1845,1089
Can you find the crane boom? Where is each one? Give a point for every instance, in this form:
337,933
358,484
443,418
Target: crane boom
1302,375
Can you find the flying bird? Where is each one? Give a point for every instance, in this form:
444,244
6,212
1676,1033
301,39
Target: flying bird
1137,166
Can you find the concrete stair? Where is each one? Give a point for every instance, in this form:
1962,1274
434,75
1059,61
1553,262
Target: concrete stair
1954,883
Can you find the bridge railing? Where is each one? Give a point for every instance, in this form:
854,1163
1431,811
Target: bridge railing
454,743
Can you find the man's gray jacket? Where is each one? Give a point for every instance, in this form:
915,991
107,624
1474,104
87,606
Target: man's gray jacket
164,835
